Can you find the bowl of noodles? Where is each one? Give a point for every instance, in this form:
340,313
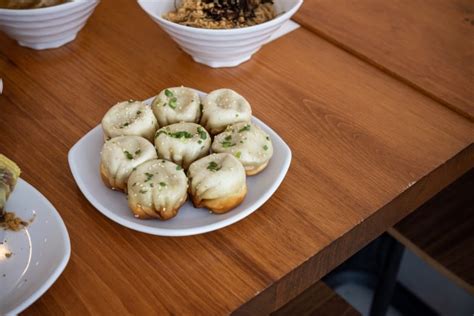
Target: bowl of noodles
44,24
220,33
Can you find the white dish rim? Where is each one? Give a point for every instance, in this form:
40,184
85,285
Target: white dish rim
62,264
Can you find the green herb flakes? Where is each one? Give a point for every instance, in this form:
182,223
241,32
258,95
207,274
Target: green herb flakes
227,144
238,154
138,152
178,168
128,155
172,102
181,134
213,166
265,147
162,184
202,133
168,93
246,128
143,191
148,176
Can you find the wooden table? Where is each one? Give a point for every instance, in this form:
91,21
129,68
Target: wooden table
427,44
367,150
450,247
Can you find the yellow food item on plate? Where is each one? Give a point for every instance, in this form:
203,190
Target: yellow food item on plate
9,173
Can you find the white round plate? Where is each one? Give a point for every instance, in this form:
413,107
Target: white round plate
39,253
84,160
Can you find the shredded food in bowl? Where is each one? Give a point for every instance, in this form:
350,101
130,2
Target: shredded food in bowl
29,4
221,14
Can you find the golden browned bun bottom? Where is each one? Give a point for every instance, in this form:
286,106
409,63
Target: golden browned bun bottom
251,171
105,179
222,205
141,212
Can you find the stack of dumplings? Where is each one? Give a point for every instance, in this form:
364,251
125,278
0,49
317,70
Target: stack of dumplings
182,145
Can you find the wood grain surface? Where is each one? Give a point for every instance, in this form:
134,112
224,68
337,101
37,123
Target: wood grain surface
442,231
318,300
367,150
427,44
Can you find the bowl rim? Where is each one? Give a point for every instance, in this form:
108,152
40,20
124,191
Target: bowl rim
275,21
46,10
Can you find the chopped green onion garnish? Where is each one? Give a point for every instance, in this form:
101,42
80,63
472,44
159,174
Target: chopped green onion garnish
202,133
172,103
245,128
227,144
181,134
213,166
148,176
168,93
128,155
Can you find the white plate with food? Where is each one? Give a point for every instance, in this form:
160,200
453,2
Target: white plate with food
32,258
85,163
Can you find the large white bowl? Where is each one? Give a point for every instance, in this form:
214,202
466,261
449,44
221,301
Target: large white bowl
220,48
49,27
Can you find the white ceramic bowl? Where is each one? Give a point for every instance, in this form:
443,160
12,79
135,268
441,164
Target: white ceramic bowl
49,27
220,48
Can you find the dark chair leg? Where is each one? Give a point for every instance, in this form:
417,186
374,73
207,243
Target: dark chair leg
388,279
